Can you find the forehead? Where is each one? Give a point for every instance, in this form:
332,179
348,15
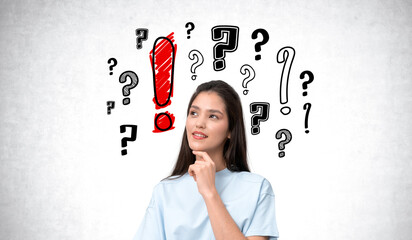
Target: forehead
209,101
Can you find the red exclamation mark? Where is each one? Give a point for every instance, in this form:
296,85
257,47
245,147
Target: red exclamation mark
162,58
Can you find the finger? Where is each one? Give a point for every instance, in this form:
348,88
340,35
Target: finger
192,171
200,162
199,158
204,156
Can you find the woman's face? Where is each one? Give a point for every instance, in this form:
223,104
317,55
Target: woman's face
207,124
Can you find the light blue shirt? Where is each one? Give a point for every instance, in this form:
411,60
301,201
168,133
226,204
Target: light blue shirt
177,211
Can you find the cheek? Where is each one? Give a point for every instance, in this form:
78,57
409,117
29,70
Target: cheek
189,125
222,130
189,129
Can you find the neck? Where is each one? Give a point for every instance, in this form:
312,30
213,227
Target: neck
219,160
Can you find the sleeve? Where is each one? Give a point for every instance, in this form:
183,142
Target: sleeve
263,222
152,225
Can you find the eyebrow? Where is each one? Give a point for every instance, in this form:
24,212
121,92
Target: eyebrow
210,110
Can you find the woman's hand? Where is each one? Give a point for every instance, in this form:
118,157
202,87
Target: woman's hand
203,171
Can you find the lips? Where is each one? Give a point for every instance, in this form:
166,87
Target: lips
199,135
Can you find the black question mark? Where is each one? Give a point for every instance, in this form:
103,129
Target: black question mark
142,35
257,118
305,83
192,26
220,49
112,65
126,139
110,106
258,45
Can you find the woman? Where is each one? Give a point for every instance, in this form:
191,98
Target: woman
211,193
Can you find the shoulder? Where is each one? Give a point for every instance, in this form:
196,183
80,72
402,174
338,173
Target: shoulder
250,177
257,180
174,190
174,179
172,182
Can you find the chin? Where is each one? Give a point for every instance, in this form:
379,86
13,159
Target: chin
195,147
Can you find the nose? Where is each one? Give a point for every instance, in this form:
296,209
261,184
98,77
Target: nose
200,122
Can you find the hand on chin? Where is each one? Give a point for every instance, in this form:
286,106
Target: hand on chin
203,172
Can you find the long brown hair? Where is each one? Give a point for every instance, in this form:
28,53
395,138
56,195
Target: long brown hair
234,150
